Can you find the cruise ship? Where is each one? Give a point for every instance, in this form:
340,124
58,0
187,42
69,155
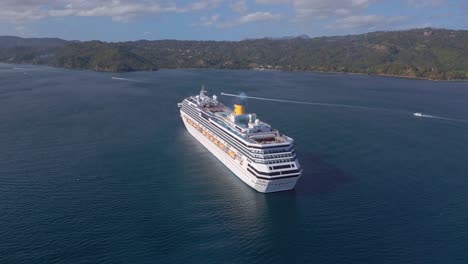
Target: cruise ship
259,155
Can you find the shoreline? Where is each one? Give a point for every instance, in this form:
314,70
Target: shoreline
251,69
388,75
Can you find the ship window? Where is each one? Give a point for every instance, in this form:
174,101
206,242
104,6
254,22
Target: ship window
289,171
282,167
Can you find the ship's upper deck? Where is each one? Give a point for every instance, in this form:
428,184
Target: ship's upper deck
245,126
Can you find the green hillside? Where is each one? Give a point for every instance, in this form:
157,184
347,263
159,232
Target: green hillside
438,54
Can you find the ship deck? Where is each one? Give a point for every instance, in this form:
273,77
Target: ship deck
223,113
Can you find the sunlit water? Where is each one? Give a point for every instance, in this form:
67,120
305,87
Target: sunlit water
100,169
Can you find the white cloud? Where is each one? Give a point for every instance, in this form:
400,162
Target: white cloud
239,6
123,10
311,9
258,16
209,21
254,17
119,10
274,1
251,18
339,14
206,4
370,22
426,3
319,9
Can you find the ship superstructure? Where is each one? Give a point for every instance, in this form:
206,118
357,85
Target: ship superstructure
256,153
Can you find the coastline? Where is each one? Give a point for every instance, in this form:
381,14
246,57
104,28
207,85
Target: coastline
393,76
252,69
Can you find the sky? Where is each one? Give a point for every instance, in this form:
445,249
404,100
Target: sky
124,20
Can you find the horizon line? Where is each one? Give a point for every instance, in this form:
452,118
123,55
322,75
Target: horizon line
245,39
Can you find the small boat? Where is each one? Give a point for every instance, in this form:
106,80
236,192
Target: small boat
418,114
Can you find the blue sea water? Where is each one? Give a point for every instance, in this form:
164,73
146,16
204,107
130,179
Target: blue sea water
101,170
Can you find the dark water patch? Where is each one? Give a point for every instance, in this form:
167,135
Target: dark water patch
320,177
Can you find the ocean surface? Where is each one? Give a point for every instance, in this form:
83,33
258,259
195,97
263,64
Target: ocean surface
98,168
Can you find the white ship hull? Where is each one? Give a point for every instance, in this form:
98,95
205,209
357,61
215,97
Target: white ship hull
260,185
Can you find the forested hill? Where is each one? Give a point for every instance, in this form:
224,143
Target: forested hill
426,53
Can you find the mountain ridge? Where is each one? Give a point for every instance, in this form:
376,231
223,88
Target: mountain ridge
430,53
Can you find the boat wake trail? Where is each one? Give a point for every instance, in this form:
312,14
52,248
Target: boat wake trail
124,79
440,118
306,103
417,114
22,69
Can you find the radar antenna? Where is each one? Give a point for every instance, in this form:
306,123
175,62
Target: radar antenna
202,91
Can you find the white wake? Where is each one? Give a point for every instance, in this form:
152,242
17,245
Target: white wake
440,118
417,114
302,102
125,79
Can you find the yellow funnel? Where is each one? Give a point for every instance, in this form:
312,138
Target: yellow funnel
239,109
